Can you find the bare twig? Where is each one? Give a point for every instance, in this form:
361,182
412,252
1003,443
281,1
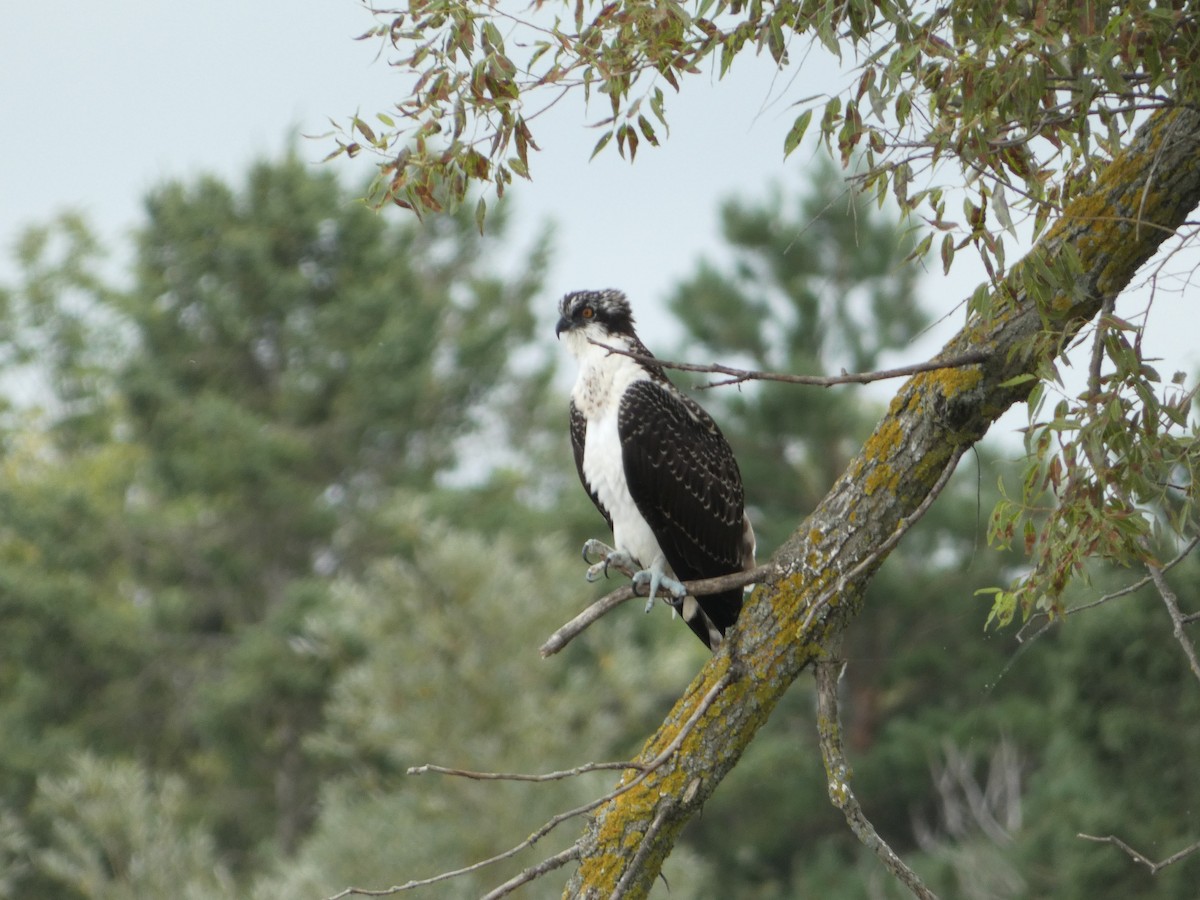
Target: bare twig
837,771
555,861
610,601
1154,867
573,628
532,873
1172,603
737,376
430,768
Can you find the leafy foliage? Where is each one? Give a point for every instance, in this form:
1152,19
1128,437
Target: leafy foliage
1014,93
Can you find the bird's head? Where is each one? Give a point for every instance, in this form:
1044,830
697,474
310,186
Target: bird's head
595,314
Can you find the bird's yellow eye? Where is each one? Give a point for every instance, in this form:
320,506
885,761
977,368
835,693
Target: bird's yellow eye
587,312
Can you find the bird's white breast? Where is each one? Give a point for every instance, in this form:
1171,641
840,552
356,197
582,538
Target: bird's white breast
603,380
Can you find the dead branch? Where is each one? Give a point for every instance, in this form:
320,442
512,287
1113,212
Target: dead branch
1172,603
610,601
573,628
1154,867
430,768
992,807
534,872
837,771
572,852
738,376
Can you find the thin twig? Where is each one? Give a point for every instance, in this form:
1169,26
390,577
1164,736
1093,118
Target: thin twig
837,770
430,768
737,376
610,601
532,873
1154,867
573,628
902,528
1172,603
667,752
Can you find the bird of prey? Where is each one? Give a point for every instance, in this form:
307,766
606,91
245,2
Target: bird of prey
655,464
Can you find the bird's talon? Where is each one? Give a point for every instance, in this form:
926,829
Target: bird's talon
593,547
659,581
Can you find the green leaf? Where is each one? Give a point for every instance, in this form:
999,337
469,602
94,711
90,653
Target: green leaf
647,130
1023,378
797,132
656,106
364,129
601,144
1000,205
947,252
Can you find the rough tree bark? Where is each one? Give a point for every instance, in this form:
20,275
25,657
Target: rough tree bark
1139,200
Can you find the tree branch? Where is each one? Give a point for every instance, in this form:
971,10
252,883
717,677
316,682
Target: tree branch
818,607
1154,867
645,770
739,376
430,768
1108,231
533,873
1134,587
837,772
610,601
1172,603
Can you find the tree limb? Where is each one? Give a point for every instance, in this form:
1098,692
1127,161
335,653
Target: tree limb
1172,603
837,773
610,601
430,768
1154,867
533,873
738,376
1111,229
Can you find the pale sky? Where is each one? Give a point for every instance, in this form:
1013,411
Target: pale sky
101,101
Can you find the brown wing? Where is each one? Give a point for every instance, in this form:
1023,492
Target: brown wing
685,481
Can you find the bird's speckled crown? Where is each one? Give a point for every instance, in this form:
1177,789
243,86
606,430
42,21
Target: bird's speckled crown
610,308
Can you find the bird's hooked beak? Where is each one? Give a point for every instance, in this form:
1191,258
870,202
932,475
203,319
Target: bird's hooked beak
564,324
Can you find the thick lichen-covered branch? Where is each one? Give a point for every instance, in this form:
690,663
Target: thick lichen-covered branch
1090,254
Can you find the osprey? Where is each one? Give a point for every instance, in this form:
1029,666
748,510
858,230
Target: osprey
655,464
